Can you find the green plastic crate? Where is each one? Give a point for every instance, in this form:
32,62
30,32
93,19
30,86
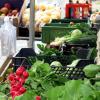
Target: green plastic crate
49,33
58,24
57,28
69,20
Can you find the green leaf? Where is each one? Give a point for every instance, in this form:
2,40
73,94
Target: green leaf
97,95
55,93
3,96
4,87
34,67
45,51
87,98
29,95
79,91
72,87
43,69
41,47
91,70
46,84
10,98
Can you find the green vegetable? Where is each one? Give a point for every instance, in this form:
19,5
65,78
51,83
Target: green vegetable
56,63
98,75
72,90
76,33
40,69
29,95
48,51
91,70
3,96
10,98
97,84
41,78
5,87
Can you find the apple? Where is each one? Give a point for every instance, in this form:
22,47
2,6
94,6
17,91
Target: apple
4,10
7,5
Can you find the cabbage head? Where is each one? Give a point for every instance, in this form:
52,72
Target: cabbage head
91,70
56,63
76,33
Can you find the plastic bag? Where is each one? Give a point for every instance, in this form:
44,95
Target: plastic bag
8,38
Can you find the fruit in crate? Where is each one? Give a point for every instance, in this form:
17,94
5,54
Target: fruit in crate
45,19
7,10
4,10
43,15
42,7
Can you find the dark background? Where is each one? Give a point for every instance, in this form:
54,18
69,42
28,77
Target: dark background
14,3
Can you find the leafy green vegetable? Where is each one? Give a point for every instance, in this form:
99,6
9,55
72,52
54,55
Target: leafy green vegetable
85,28
48,51
97,94
56,63
55,93
3,96
29,95
91,70
40,69
42,78
98,75
9,98
72,90
76,33
5,87
97,84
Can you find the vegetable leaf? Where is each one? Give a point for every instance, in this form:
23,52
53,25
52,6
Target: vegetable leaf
29,95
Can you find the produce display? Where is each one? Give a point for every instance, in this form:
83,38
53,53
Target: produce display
55,72
42,83
44,14
64,69
63,31
7,10
42,79
82,33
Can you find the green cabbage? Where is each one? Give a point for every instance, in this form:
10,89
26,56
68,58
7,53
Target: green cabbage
56,63
76,33
91,70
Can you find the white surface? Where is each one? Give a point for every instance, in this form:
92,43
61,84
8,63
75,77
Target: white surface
23,44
